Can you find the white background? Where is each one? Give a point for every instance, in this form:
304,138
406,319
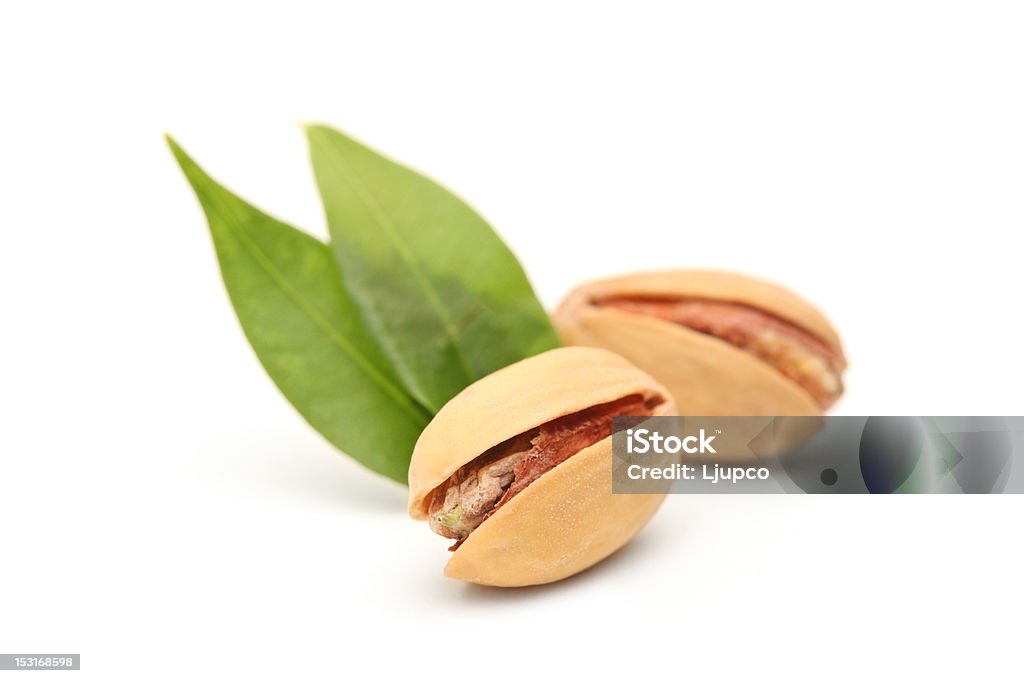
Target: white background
166,513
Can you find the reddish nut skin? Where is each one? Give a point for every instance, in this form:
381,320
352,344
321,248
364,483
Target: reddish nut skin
707,374
568,519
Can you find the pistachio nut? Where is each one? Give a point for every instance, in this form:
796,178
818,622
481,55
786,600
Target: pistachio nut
723,343
516,469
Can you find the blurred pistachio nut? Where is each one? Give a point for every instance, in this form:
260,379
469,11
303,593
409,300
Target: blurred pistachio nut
723,343
516,469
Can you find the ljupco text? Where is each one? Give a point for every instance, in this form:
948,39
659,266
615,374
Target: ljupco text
712,473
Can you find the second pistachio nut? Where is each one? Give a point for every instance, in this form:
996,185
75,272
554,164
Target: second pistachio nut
722,343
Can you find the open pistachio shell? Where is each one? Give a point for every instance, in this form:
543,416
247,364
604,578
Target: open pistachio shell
568,519
706,375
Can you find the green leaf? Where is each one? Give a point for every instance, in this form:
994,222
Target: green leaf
306,331
443,295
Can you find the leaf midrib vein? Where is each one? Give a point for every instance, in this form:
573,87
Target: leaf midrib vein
382,220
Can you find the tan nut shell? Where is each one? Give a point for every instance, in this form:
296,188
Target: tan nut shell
567,520
707,376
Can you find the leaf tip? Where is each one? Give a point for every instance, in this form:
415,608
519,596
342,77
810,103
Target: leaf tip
173,144
193,172
314,129
179,153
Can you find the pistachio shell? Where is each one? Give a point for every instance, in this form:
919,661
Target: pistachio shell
568,519
714,285
512,401
706,375
563,523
